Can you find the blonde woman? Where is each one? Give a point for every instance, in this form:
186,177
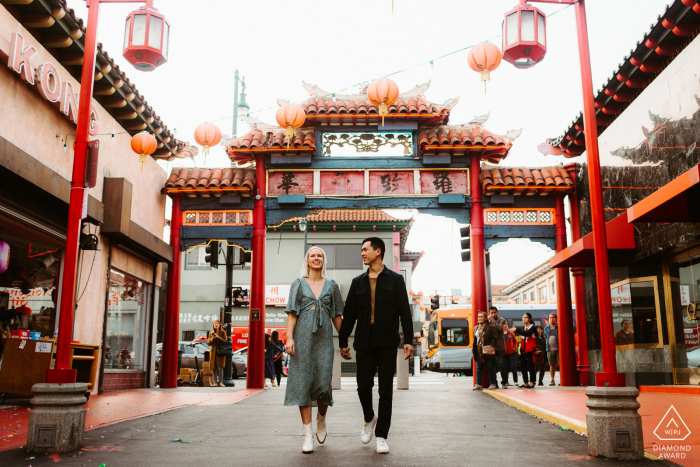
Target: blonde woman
216,361
315,304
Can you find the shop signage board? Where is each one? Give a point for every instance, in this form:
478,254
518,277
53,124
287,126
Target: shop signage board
46,79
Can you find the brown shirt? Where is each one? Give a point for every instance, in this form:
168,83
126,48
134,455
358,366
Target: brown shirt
372,288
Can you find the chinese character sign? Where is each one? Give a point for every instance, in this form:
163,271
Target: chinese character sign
391,183
291,183
442,182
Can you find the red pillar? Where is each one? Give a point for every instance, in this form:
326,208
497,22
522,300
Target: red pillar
567,353
256,334
62,372
609,376
171,321
478,249
581,331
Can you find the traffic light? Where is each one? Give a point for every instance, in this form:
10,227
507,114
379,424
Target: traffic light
212,257
435,302
465,242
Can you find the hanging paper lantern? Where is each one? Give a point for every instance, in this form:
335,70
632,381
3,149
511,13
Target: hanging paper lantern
412,293
422,308
207,135
432,296
484,58
383,92
416,301
4,257
455,298
290,117
143,144
420,294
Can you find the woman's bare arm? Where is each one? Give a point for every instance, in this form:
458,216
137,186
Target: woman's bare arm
291,324
337,321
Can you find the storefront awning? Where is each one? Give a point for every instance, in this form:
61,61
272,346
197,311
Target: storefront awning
677,201
620,237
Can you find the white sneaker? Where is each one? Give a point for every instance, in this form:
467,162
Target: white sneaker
367,431
382,447
308,440
274,383
321,432
477,388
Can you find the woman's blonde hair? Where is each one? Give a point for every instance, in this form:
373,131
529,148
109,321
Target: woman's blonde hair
305,264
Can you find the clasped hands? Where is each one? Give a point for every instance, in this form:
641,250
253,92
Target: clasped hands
407,352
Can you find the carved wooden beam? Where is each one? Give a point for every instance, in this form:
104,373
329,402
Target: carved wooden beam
56,42
103,90
38,21
124,114
113,102
70,59
58,12
135,126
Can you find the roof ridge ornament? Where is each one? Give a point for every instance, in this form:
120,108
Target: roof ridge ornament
316,92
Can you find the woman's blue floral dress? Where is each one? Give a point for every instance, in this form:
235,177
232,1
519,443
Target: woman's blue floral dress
311,369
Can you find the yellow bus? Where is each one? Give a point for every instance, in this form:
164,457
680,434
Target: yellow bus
449,340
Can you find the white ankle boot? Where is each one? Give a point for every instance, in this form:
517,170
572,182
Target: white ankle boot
321,428
308,439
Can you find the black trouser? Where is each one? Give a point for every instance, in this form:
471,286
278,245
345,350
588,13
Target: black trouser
382,359
502,367
278,370
541,369
528,367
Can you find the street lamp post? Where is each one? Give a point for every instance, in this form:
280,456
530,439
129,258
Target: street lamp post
145,55
302,227
524,45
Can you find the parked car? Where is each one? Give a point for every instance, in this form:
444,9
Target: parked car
239,362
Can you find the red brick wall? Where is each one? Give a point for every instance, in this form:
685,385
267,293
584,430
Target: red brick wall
122,381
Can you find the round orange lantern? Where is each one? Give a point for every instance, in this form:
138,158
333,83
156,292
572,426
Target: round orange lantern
432,296
416,301
420,294
412,293
484,57
383,92
207,135
290,117
143,144
422,308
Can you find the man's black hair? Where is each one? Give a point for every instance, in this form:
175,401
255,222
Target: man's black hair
377,244
493,308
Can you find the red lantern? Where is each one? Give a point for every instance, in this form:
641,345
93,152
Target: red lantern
383,92
420,294
207,135
143,144
24,310
422,308
146,38
484,57
290,117
432,296
416,301
412,293
524,36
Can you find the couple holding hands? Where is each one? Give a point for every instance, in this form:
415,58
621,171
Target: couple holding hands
377,301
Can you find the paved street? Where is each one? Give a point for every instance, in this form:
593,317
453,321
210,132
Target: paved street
439,421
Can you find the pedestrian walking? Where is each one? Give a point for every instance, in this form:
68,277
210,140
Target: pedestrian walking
500,345
551,337
314,305
217,362
527,349
377,301
511,349
485,339
270,350
542,347
277,356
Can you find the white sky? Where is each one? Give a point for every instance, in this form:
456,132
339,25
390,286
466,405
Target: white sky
339,43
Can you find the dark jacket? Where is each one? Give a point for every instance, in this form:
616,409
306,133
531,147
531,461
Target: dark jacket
390,306
490,338
270,348
501,344
529,343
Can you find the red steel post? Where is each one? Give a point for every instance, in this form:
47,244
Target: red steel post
567,353
77,203
581,331
609,376
478,249
171,321
256,334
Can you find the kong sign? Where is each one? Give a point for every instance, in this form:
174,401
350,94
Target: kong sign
46,79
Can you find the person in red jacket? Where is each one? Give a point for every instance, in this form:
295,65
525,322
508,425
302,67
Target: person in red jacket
527,349
511,346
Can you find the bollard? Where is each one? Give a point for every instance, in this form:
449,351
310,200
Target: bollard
335,379
401,370
57,420
416,366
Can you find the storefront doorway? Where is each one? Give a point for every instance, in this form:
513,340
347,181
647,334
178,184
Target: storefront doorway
682,283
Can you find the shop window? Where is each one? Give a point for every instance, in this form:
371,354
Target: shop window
126,322
636,313
28,285
342,256
554,289
195,259
684,282
543,293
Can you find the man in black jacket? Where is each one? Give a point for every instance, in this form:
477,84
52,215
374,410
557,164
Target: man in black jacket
377,300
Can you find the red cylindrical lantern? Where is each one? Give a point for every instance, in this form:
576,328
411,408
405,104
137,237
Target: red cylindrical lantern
143,144
524,36
146,39
416,301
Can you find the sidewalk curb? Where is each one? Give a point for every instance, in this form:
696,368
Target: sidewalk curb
547,415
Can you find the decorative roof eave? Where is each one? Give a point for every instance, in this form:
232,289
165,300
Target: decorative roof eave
205,183
112,88
525,181
673,31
